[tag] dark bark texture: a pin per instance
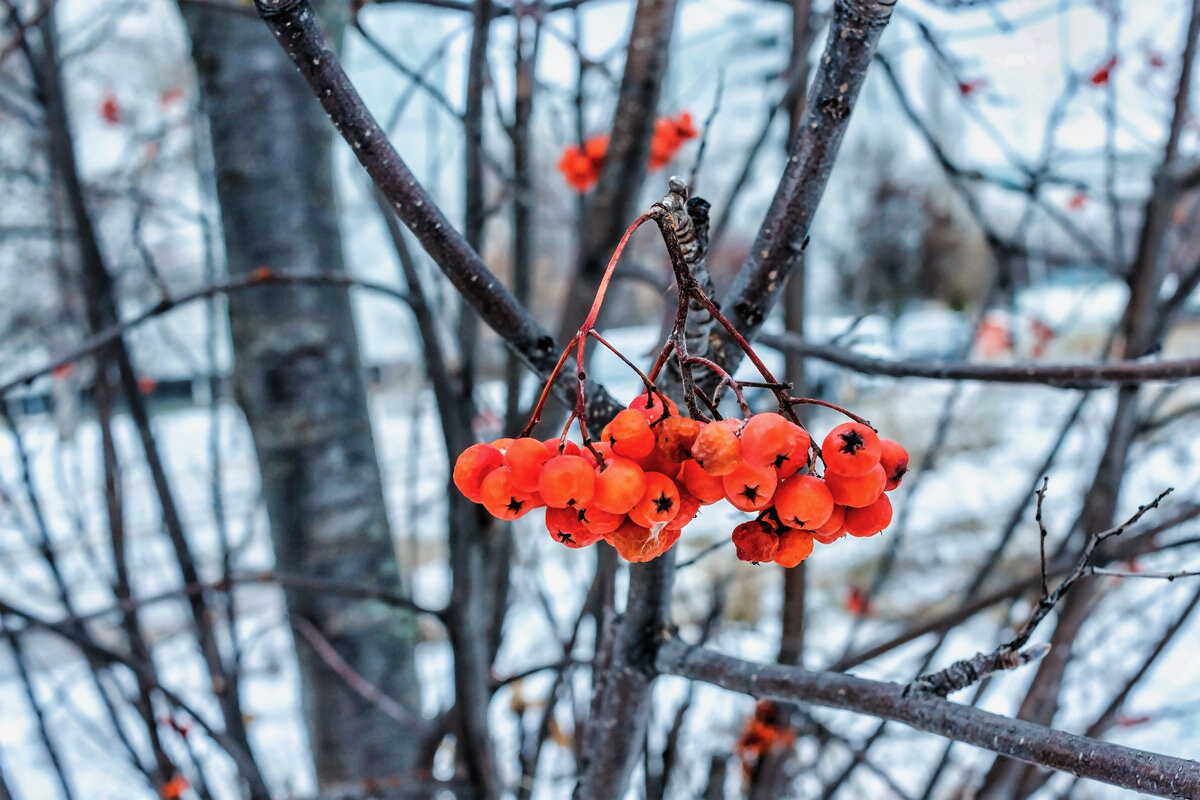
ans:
(299, 381)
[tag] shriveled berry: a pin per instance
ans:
(750, 488)
(673, 438)
(620, 483)
(566, 528)
(567, 480)
(851, 449)
(755, 541)
(717, 448)
(653, 404)
(636, 543)
(859, 491)
(767, 437)
(834, 527)
(870, 520)
(803, 501)
(789, 464)
(629, 434)
(894, 460)
(472, 466)
(704, 487)
(658, 504)
(525, 457)
(502, 499)
(794, 547)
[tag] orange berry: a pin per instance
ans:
(717, 448)
(472, 466)
(502, 444)
(750, 488)
(834, 528)
(569, 448)
(658, 504)
(620, 483)
(567, 480)
(894, 459)
(851, 449)
(525, 458)
(803, 501)
(704, 487)
(688, 508)
(859, 491)
(629, 434)
(755, 541)
(767, 437)
(603, 448)
(502, 499)
(870, 520)
(652, 404)
(597, 521)
(794, 547)
(673, 438)
(789, 464)
(566, 528)
(637, 543)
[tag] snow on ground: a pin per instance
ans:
(948, 519)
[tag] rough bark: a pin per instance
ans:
(299, 381)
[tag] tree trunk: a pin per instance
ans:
(298, 379)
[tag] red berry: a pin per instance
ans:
(567, 480)
(652, 404)
(636, 543)
(566, 528)
(472, 466)
(858, 491)
(894, 460)
(755, 541)
(794, 547)
(834, 527)
(568, 448)
(688, 508)
(767, 437)
(870, 520)
(629, 434)
(750, 488)
(803, 501)
(851, 449)
(704, 487)
(673, 438)
(502, 499)
(620, 483)
(658, 504)
(597, 521)
(717, 448)
(525, 457)
(789, 464)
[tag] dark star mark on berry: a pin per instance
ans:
(750, 493)
(514, 505)
(900, 472)
(565, 537)
(852, 442)
(779, 460)
(581, 514)
(663, 504)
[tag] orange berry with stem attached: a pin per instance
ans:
(755, 541)
(472, 466)
(858, 491)
(502, 499)
(851, 449)
(789, 464)
(894, 460)
(750, 488)
(870, 520)
(567, 480)
(620, 483)
(794, 547)
(767, 437)
(834, 527)
(603, 448)
(566, 528)
(629, 434)
(568, 448)
(658, 504)
(803, 501)
(717, 448)
(654, 405)
(704, 487)
(525, 457)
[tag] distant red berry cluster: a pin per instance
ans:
(580, 165)
(653, 469)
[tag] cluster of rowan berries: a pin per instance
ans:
(653, 469)
(580, 164)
